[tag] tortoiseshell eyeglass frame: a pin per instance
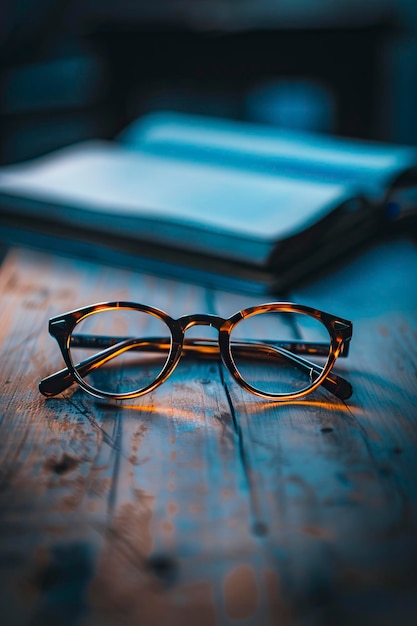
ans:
(61, 328)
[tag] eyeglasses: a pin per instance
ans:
(123, 350)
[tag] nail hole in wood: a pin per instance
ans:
(64, 465)
(164, 567)
(260, 529)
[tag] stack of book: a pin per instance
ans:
(223, 203)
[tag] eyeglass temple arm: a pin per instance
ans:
(206, 345)
(334, 383)
(337, 385)
(59, 381)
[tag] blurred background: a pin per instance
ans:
(76, 69)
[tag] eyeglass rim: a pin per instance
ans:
(326, 319)
(62, 326)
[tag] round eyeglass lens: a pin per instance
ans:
(280, 352)
(120, 351)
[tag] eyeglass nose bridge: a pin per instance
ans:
(200, 319)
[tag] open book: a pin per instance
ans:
(226, 204)
(375, 169)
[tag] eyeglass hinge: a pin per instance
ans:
(57, 324)
(341, 325)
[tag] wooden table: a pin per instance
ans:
(198, 503)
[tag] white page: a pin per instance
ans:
(371, 166)
(105, 178)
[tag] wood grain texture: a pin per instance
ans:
(199, 503)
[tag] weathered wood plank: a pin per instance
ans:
(199, 502)
(336, 481)
(141, 510)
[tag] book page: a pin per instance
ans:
(106, 180)
(371, 166)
